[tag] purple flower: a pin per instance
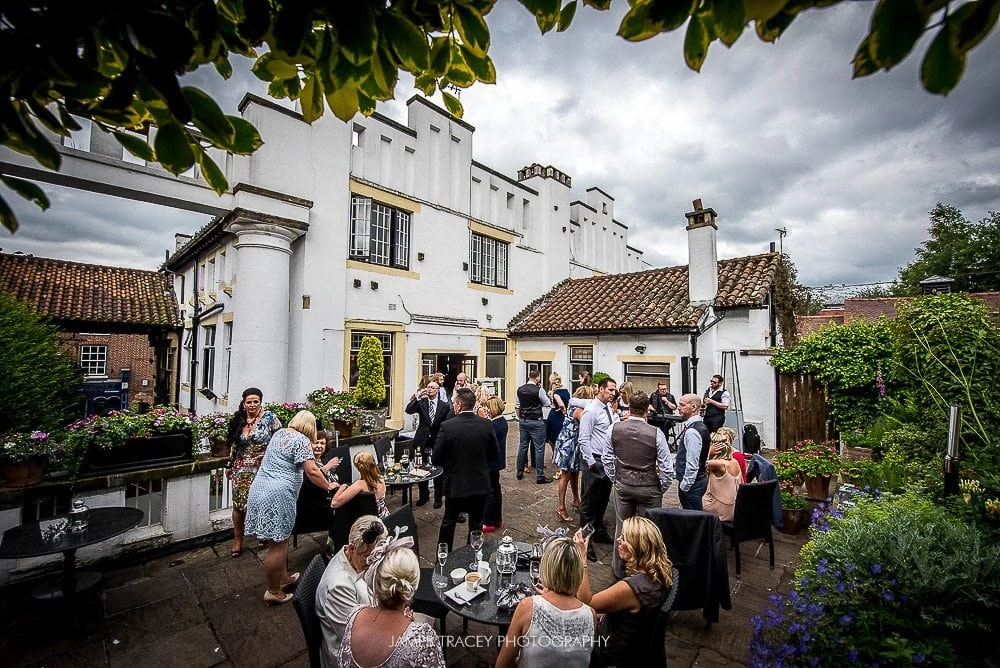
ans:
(846, 619)
(919, 657)
(876, 569)
(852, 656)
(888, 595)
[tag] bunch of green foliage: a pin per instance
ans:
(893, 581)
(370, 390)
(39, 381)
(119, 66)
(847, 359)
(598, 377)
(284, 411)
(807, 459)
(947, 351)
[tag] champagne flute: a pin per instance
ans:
(535, 570)
(476, 542)
(442, 556)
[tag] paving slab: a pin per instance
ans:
(200, 607)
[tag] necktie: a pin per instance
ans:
(431, 405)
(608, 411)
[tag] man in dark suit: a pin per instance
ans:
(431, 412)
(464, 449)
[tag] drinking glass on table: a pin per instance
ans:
(476, 541)
(535, 565)
(442, 556)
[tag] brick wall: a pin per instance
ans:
(125, 351)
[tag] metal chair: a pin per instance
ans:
(659, 656)
(344, 517)
(426, 600)
(752, 517)
(304, 601)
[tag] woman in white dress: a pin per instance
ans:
(554, 629)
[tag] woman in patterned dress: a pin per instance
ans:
(271, 502)
(567, 453)
(250, 430)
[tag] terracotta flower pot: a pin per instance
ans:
(793, 520)
(818, 488)
(220, 447)
(344, 428)
(23, 474)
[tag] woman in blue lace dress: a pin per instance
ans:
(567, 453)
(273, 494)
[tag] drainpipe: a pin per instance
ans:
(195, 317)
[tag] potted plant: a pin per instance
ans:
(24, 456)
(370, 390)
(811, 462)
(793, 509)
(336, 408)
(128, 440)
(284, 411)
(214, 427)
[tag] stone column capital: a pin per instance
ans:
(253, 228)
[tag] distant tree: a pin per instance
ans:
(875, 291)
(119, 63)
(962, 250)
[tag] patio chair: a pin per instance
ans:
(659, 655)
(345, 516)
(304, 601)
(426, 600)
(752, 517)
(697, 548)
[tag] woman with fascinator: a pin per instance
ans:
(250, 430)
(386, 635)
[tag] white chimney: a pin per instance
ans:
(703, 260)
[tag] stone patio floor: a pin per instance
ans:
(201, 608)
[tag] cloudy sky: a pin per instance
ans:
(771, 136)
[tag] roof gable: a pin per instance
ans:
(73, 291)
(655, 299)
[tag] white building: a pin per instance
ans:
(373, 227)
(672, 324)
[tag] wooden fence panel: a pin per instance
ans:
(802, 409)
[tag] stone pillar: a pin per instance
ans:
(260, 303)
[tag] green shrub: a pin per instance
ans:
(895, 581)
(370, 390)
(39, 382)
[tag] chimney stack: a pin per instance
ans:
(703, 260)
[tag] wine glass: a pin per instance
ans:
(442, 556)
(535, 565)
(476, 542)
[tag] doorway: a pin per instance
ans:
(450, 364)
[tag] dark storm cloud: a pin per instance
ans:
(770, 135)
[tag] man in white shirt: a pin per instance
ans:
(595, 439)
(716, 400)
(342, 586)
(692, 452)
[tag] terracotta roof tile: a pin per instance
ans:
(72, 291)
(653, 299)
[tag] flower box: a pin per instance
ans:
(138, 453)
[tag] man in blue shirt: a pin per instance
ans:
(692, 452)
(595, 439)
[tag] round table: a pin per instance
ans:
(27, 540)
(483, 608)
(406, 481)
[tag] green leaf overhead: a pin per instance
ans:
(896, 27)
(122, 69)
(137, 146)
(943, 64)
(173, 148)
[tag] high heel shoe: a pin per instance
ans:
(563, 515)
(274, 599)
(293, 580)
